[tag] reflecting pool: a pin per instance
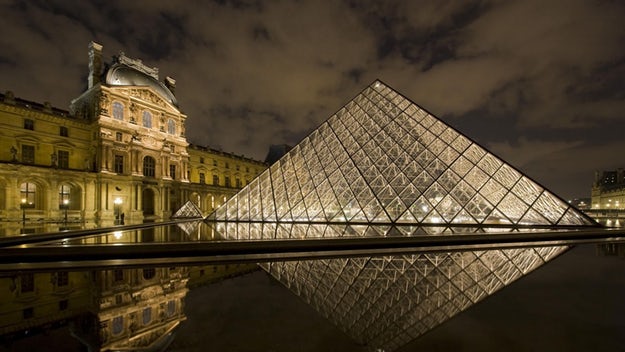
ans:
(573, 303)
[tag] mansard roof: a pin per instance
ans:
(130, 72)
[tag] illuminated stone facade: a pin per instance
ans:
(120, 152)
(134, 309)
(32, 300)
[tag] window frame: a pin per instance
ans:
(62, 159)
(171, 126)
(118, 164)
(29, 124)
(150, 167)
(146, 119)
(65, 193)
(28, 192)
(118, 110)
(28, 158)
(172, 171)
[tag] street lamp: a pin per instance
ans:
(65, 206)
(23, 206)
(118, 202)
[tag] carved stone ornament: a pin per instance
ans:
(147, 95)
(104, 100)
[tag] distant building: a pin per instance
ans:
(580, 203)
(276, 151)
(120, 151)
(608, 191)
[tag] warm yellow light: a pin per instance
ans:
(23, 200)
(117, 234)
(118, 201)
(66, 201)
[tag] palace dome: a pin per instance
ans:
(122, 75)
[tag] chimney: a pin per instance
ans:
(170, 83)
(95, 64)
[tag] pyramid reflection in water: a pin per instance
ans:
(385, 302)
(382, 161)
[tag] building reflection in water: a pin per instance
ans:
(119, 309)
(133, 309)
(116, 309)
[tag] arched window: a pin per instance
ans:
(28, 194)
(118, 110)
(64, 196)
(149, 166)
(147, 119)
(171, 126)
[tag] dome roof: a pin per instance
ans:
(123, 75)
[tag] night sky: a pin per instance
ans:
(540, 83)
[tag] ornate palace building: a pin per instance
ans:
(119, 153)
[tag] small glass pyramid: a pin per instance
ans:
(383, 159)
(188, 211)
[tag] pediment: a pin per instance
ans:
(147, 95)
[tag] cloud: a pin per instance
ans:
(254, 73)
(566, 168)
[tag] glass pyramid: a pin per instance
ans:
(188, 211)
(383, 166)
(383, 159)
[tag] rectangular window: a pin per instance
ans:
(28, 154)
(201, 160)
(237, 167)
(172, 171)
(64, 131)
(29, 124)
(227, 166)
(202, 178)
(247, 169)
(28, 313)
(62, 278)
(214, 162)
(227, 181)
(119, 164)
(118, 136)
(118, 275)
(63, 304)
(238, 182)
(28, 283)
(63, 159)
(215, 180)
